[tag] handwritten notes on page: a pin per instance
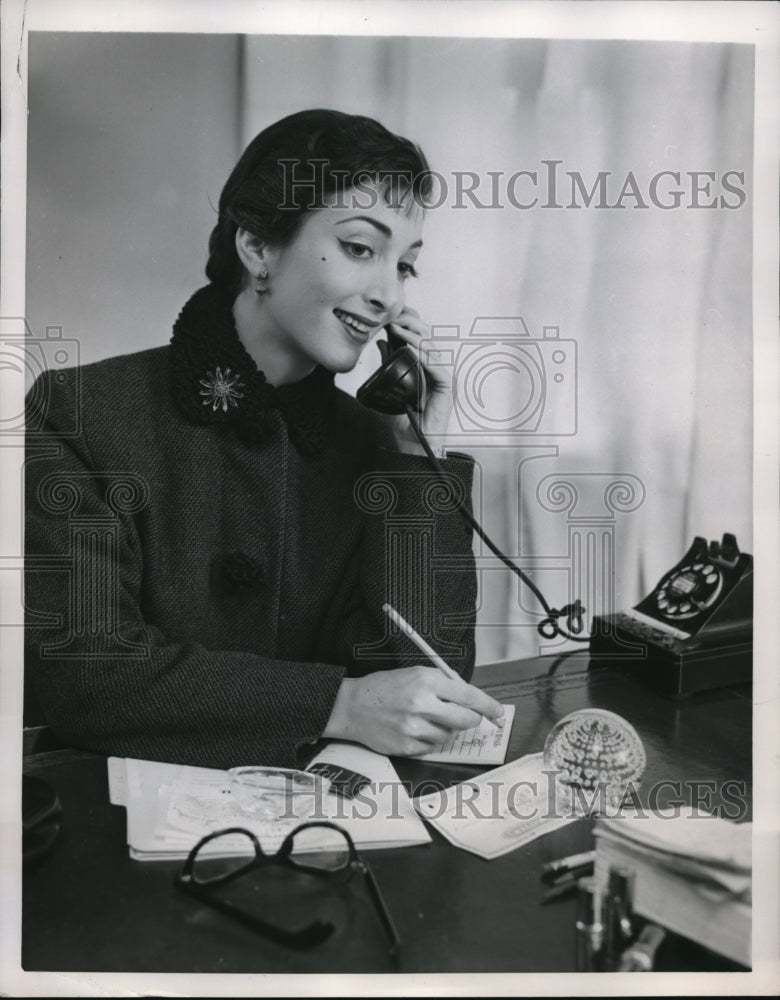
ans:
(484, 744)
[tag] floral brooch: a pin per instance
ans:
(221, 389)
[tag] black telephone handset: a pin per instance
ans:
(694, 630)
(398, 383)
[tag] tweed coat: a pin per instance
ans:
(203, 571)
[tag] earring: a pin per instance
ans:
(261, 288)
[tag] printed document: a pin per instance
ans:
(497, 811)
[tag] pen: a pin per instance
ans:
(577, 871)
(565, 887)
(553, 869)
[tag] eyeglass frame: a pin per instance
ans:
(310, 935)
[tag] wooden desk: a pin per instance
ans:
(88, 907)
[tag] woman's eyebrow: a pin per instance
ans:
(386, 230)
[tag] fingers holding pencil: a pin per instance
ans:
(461, 693)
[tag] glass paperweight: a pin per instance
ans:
(595, 756)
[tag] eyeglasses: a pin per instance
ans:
(220, 858)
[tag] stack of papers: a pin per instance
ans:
(171, 806)
(690, 873)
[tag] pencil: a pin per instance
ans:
(419, 642)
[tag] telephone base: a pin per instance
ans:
(675, 667)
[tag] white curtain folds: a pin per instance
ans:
(652, 302)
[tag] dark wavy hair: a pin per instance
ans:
(292, 166)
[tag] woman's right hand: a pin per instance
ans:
(407, 711)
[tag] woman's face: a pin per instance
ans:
(340, 281)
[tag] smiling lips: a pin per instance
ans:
(357, 327)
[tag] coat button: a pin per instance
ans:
(239, 573)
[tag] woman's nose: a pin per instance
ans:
(385, 293)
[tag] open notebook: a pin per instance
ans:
(171, 806)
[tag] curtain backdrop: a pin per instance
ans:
(658, 301)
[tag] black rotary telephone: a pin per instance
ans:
(399, 386)
(694, 630)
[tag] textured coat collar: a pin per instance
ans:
(214, 380)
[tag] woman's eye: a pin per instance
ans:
(407, 270)
(359, 250)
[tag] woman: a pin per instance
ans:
(207, 563)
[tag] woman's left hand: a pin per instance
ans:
(434, 421)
